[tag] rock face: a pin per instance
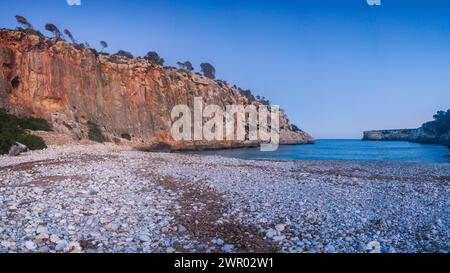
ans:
(397, 134)
(71, 85)
(413, 135)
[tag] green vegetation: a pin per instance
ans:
(103, 45)
(126, 136)
(95, 134)
(295, 128)
(440, 125)
(125, 54)
(55, 30)
(154, 58)
(12, 129)
(70, 35)
(186, 66)
(208, 70)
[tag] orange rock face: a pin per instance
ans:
(70, 85)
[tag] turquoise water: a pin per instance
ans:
(350, 150)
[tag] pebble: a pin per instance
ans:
(279, 238)
(54, 238)
(30, 245)
(144, 238)
(42, 230)
(271, 233)
(181, 228)
(61, 245)
(280, 227)
(373, 247)
(227, 248)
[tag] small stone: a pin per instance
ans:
(170, 250)
(279, 238)
(42, 230)
(41, 237)
(74, 247)
(144, 238)
(164, 229)
(271, 233)
(280, 227)
(17, 149)
(181, 228)
(227, 248)
(330, 249)
(38, 190)
(44, 249)
(61, 245)
(373, 247)
(30, 245)
(112, 227)
(54, 238)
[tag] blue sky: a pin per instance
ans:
(338, 67)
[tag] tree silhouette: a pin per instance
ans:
(53, 29)
(125, 54)
(103, 45)
(186, 66)
(69, 34)
(440, 125)
(154, 58)
(208, 70)
(23, 21)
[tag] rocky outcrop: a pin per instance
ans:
(71, 85)
(393, 135)
(419, 135)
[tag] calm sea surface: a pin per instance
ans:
(349, 150)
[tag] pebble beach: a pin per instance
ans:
(107, 198)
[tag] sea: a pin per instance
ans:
(348, 149)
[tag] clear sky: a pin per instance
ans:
(338, 67)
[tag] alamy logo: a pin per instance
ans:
(235, 123)
(374, 2)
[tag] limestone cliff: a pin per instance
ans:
(71, 85)
(419, 135)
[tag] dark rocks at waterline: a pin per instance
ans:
(413, 135)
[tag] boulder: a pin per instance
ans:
(17, 149)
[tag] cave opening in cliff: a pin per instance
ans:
(15, 82)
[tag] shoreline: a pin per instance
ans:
(107, 198)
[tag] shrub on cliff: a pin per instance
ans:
(104, 45)
(123, 53)
(440, 125)
(23, 21)
(154, 58)
(69, 34)
(248, 94)
(95, 133)
(185, 66)
(54, 29)
(208, 70)
(126, 136)
(296, 129)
